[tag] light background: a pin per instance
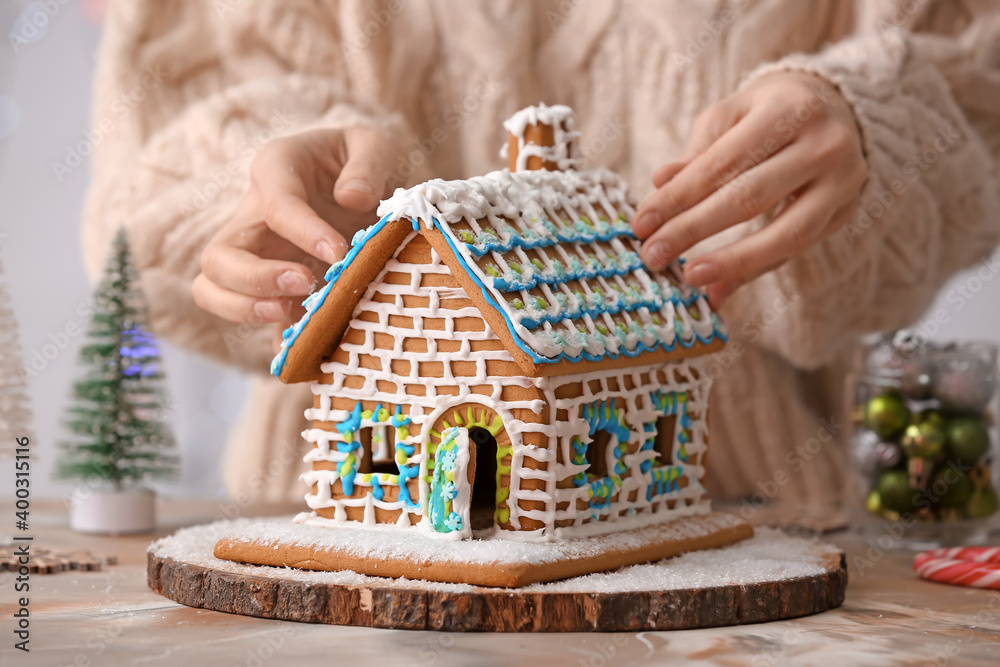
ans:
(44, 110)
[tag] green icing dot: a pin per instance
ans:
(517, 303)
(492, 271)
(466, 237)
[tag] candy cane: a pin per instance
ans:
(978, 567)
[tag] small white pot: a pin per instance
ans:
(113, 512)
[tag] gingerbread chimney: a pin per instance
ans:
(541, 137)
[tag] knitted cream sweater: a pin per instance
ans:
(192, 88)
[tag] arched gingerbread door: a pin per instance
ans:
(489, 451)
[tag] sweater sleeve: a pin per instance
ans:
(926, 104)
(186, 92)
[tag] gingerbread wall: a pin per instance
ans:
(648, 486)
(416, 333)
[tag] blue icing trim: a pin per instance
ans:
(315, 301)
(489, 242)
(531, 323)
(352, 423)
(604, 416)
(512, 283)
(400, 420)
(665, 480)
(640, 348)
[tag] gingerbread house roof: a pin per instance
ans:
(549, 259)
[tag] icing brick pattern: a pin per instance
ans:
(389, 348)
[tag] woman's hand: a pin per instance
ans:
(787, 136)
(308, 194)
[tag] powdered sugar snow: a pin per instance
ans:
(769, 556)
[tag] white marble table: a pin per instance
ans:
(111, 618)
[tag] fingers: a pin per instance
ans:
(719, 292)
(236, 269)
(799, 226)
(236, 307)
(712, 123)
(663, 175)
(735, 152)
(284, 200)
(371, 170)
(743, 198)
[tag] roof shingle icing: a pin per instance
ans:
(553, 252)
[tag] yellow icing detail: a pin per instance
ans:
(349, 436)
(400, 457)
(347, 465)
(367, 477)
(402, 433)
(383, 414)
(367, 414)
(503, 515)
(449, 476)
(502, 495)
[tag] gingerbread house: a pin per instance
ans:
(492, 359)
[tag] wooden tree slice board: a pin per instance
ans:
(808, 577)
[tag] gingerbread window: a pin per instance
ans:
(378, 450)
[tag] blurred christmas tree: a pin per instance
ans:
(15, 411)
(117, 417)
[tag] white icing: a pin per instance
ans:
(496, 215)
(769, 555)
(563, 151)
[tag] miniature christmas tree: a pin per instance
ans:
(15, 411)
(117, 416)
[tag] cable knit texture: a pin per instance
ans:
(195, 88)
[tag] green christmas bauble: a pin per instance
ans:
(932, 417)
(968, 439)
(894, 491)
(924, 440)
(951, 488)
(873, 503)
(982, 504)
(886, 415)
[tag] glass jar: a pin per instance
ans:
(924, 445)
